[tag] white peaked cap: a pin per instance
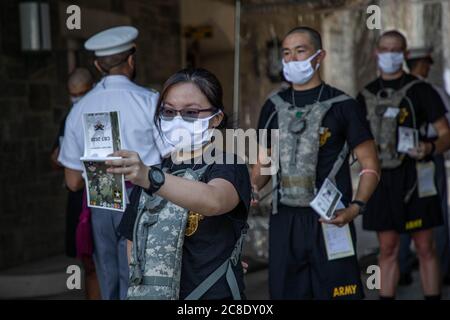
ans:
(112, 41)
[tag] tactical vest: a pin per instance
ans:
(158, 239)
(383, 128)
(299, 143)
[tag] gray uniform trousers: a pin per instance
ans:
(110, 254)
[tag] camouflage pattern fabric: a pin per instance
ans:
(158, 239)
(385, 128)
(299, 149)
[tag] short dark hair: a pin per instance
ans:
(412, 63)
(394, 34)
(314, 35)
(204, 80)
(108, 62)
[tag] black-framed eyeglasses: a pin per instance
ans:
(187, 114)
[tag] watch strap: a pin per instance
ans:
(361, 204)
(153, 186)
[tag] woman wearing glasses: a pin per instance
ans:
(191, 102)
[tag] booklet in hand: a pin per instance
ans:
(408, 138)
(327, 200)
(102, 138)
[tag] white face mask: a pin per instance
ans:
(186, 135)
(390, 62)
(300, 72)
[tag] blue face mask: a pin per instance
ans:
(390, 62)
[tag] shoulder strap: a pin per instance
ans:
(197, 173)
(270, 119)
(278, 101)
(402, 92)
(136, 275)
(224, 269)
(367, 94)
(201, 171)
(337, 99)
(135, 196)
(408, 86)
(338, 164)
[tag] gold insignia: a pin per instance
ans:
(325, 134)
(403, 115)
(192, 223)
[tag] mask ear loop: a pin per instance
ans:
(212, 139)
(211, 131)
(309, 59)
(314, 56)
(216, 114)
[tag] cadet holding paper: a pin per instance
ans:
(397, 105)
(420, 61)
(318, 125)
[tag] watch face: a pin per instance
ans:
(158, 176)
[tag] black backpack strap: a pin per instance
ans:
(225, 269)
(129, 216)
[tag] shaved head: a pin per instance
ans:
(80, 76)
(80, 81)
(314, 36)
(394, 34)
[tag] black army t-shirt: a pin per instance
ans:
(427, 104)
(344, 122)
(216, 236)
(386, 209)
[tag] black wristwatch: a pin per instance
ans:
(157, 178)
(361, 204)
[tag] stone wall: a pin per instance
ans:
(258, 27)
(350, 63)
(33, 101)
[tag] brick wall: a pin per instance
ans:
(33, 101)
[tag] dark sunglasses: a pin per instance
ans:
(187, 114)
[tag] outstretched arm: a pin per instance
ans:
(216, 197)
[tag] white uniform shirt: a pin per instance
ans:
(136, 106)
